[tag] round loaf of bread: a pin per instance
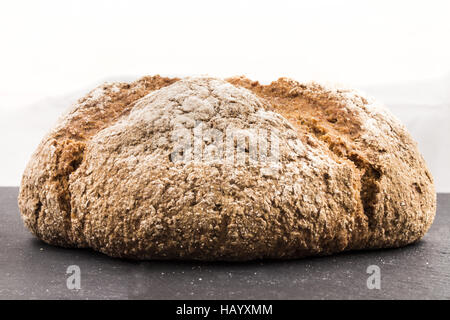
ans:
(211, 169)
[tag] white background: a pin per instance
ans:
(51, 52)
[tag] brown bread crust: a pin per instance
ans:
(103, 178)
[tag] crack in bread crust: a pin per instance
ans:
(340, 118)
(99, 109)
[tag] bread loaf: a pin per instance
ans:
(211, 169)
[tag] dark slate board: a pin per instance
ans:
(30, 269)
